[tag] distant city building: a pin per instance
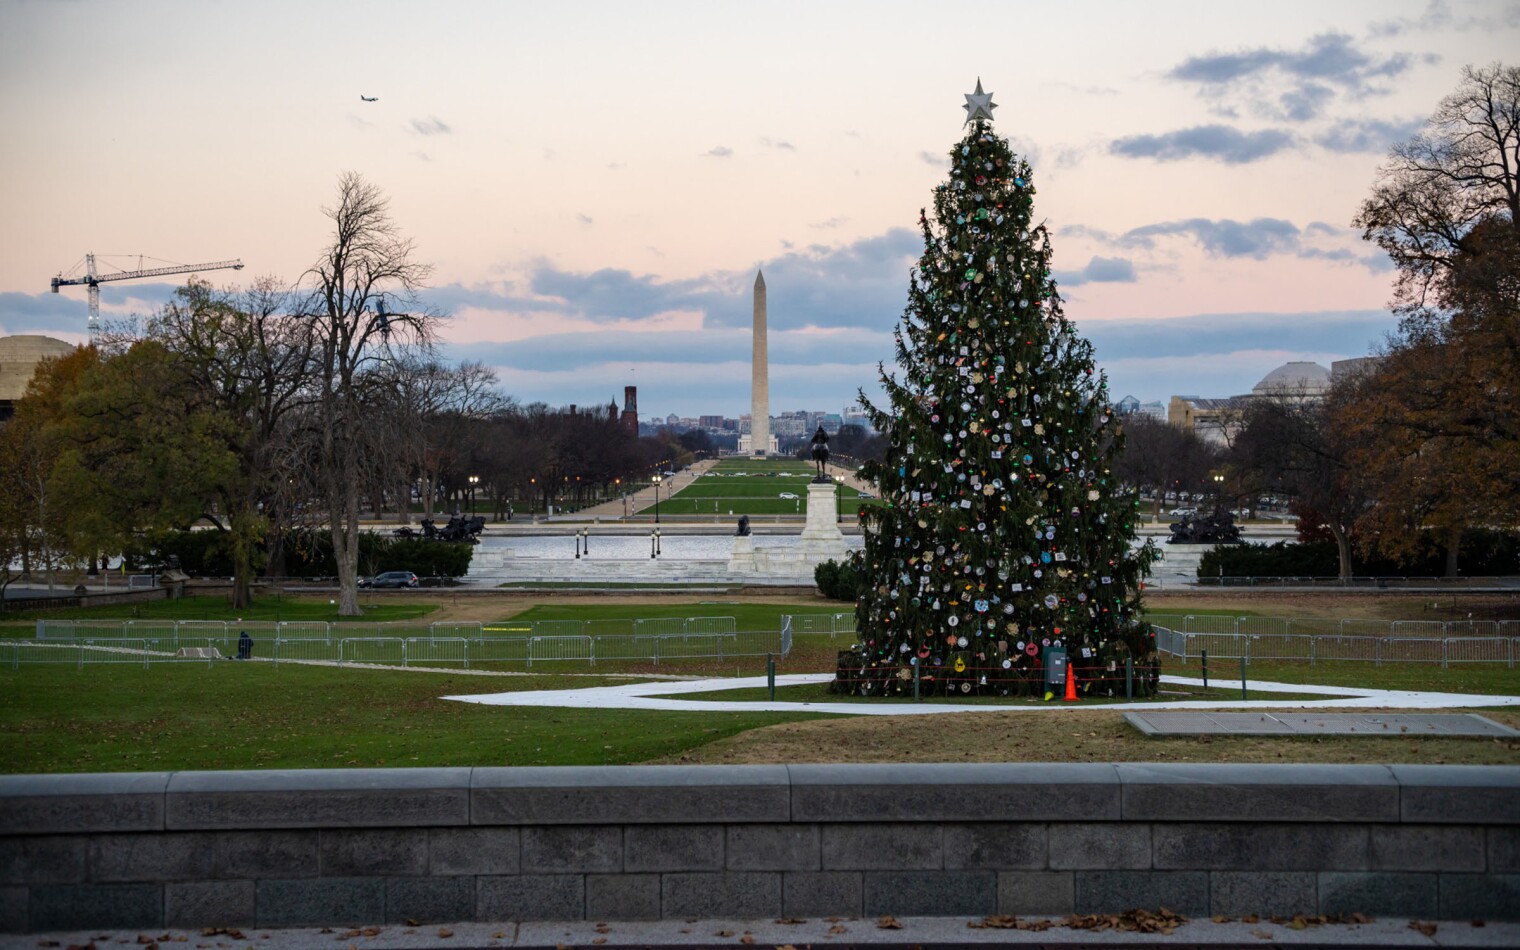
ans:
(1219, 420)
(711, 422)
(1130, 406)
(19, 356)
(630, 417)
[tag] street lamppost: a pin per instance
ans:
(474, 480)
(1218, 491)
(656, 481)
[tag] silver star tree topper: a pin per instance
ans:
(979, 105)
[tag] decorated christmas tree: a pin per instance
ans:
(1002, 538)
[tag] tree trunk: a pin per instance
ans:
(1342, 548)
(1453, 546)
(345, 538)
(241, 527)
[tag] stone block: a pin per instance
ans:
(1479, 896)
(42, 860)
(724, 894)
(1454, 794)
(266, 854)
(318, 798)
(639, 794)
(772, 848)
(1427, 848)
(429, 900)
(1039, 893)
(1099, 846)
(73, 804)
(474, 851)
(822, 894)
(1503, 849)
(622, 897)
(560, 849)
(1378, 893)
(157, 857)
(1113, 892)
(191, 904)
(887, 846)
(673, 848)
(328, 901)
(1264, 847)
(13, 901)
(972, 792)
(531, 897)
(88, 906)
(352, 852)
(930, 893)
(995, 846)
(1268, 893)
(1208, 792)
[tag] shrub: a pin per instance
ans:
(841, 580)
(1484, 552)
(308, 554)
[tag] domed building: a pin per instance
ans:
(1298, 380)
(19, 356)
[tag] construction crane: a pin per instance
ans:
(92, 280)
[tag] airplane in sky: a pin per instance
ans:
(364, 98)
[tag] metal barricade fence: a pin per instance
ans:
(499, 649)
(1261, 626)
(78, 629)
(201, 628)
(1471, 628)
(561, 648)
(1409, 650)
(386, 650)
(1418, 629)
(659, 626)
(304, 630)
(1313, 626)
(1362, 649)
(811, 623)
(1208, 623)
(304, 649)
(711, 625)
(1479, 650)
(609, 628)
(1366, 628)
(559, 628)
(469, 629)
(844, 623)
(430, 651)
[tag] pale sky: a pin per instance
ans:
(596, 183)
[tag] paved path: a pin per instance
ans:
(652, 696)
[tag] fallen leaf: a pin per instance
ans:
(411, 922)
(445, 932)
(790, 920)
(600, 940)
(1428, 930)
(1261, 934)
(1223, 919)
(746, 939)
(837, 929)
(888, 923)
(723, 933)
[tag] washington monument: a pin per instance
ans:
(760, 393)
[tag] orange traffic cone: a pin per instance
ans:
(1071, 684)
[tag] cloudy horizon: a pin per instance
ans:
(596, 198)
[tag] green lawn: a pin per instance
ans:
(819, 693)
(253, 715)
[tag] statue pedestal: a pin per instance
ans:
(821, 537)
(742, 557)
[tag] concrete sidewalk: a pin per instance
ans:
(815, 932)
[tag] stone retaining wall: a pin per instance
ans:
(344, 847)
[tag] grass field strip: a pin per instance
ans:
(655, 696)
(671, 643)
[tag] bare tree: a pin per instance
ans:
(362, 298)
(1436, 188)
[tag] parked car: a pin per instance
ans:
(1182, 512)
(864, 494)
(390, 579)
(788, 495)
